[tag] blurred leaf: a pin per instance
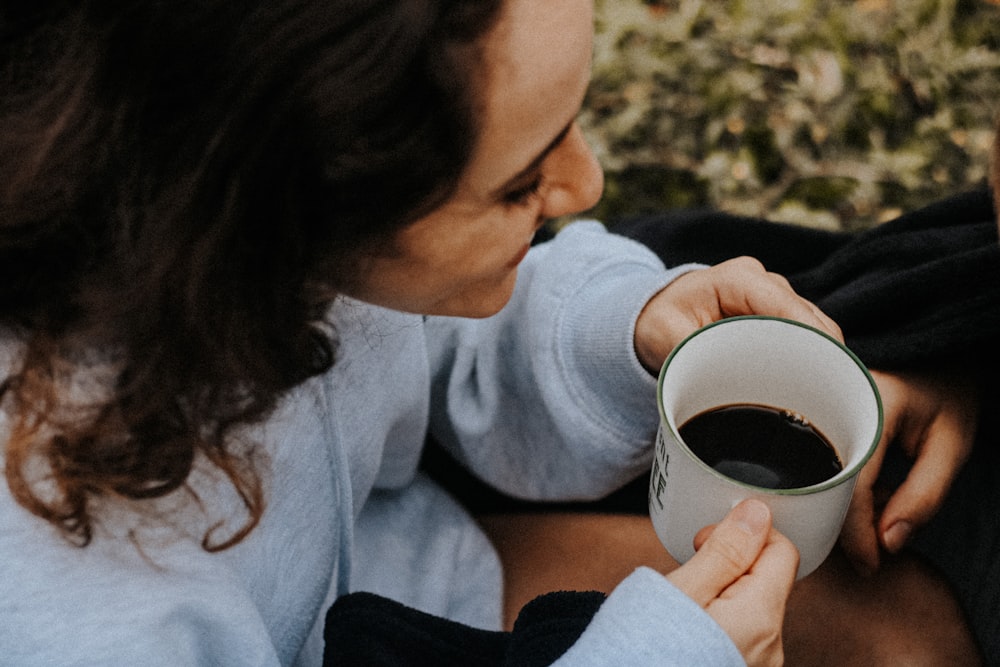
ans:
(771, 108)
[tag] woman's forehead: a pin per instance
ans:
(538, 61)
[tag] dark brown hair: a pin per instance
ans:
(182, 188)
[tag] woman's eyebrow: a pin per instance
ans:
(538, 160)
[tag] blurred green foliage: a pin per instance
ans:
(816, 112)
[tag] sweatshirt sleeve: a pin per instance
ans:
(648, 621)
(547, 399)
(645, 621)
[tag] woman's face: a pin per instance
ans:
(531, 163)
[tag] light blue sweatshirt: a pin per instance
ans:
(545, 400)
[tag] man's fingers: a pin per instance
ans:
(927, 483)
(860, 536)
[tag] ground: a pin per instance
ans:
(832, 114)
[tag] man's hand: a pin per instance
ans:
(933, 417)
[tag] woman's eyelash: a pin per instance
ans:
(523, 194)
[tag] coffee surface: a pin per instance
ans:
(761, 445)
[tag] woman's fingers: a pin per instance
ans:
(745, 287)
(742, 575)
(740, 286)
(730, 550)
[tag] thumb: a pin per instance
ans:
(730, 550)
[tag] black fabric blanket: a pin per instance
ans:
(365, 629)
(921, 289)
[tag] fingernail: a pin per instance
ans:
(897, 535)
(752, 516)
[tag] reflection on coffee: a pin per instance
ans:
(761, 445)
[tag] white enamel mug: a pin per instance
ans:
(773, 362)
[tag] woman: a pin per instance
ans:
(240, 246)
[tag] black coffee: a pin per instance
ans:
(763, 446)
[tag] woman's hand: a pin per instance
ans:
(738, 286)
(742, 575)
(932, 416)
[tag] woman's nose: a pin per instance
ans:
(576, 180)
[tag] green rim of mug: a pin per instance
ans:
(838, 479)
